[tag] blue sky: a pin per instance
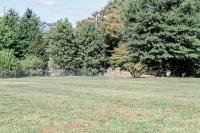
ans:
(52, 10)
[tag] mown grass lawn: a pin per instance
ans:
(86, 104)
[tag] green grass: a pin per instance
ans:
(86, 104)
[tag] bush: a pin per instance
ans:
(8, 62)
(123, 60)
(135, 69)
(32, 62)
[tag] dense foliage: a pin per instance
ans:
(22, 35)
(32, 62)
(164, 34)
(81, 48)
(111, 18)
(121, 58)
(8, 62)
(61, 46)
(29, 33)
(8, 31)
(91, 47)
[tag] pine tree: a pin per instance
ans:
(8, 30)
(61, 46)
(30, 35)
(92, 47)
(164, 34)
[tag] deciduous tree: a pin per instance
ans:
(121, 58)
(8, 62)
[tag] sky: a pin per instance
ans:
(53, 10)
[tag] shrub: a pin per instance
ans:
(123, 60)
(32, 62)
(8, 62)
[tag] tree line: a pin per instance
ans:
(25, 44)
(134, 35)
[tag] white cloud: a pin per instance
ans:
(46, 2)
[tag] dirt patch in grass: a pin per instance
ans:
(183, 107)
(47, 130)
(185, 100)
(102, 116)
(78, 125)
(130, 117)
(83, 124)
(105, 111)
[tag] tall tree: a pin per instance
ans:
(164, 34)
(8, 30)
(111, 22)
(90, 40)
(112, 18)
(29, 34)
(62, 49)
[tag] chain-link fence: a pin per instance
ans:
(48, 73)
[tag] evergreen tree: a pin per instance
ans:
(110, 21)
(8, 30)
(164, 34)
(30, 35)
(62, 49)
(92, 47)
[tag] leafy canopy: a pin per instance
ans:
(91, 44)
(8, 62)
(61, 46)
(164, 34)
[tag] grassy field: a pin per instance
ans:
(80, 104)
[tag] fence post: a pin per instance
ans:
(29, 73)
(46, 72)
